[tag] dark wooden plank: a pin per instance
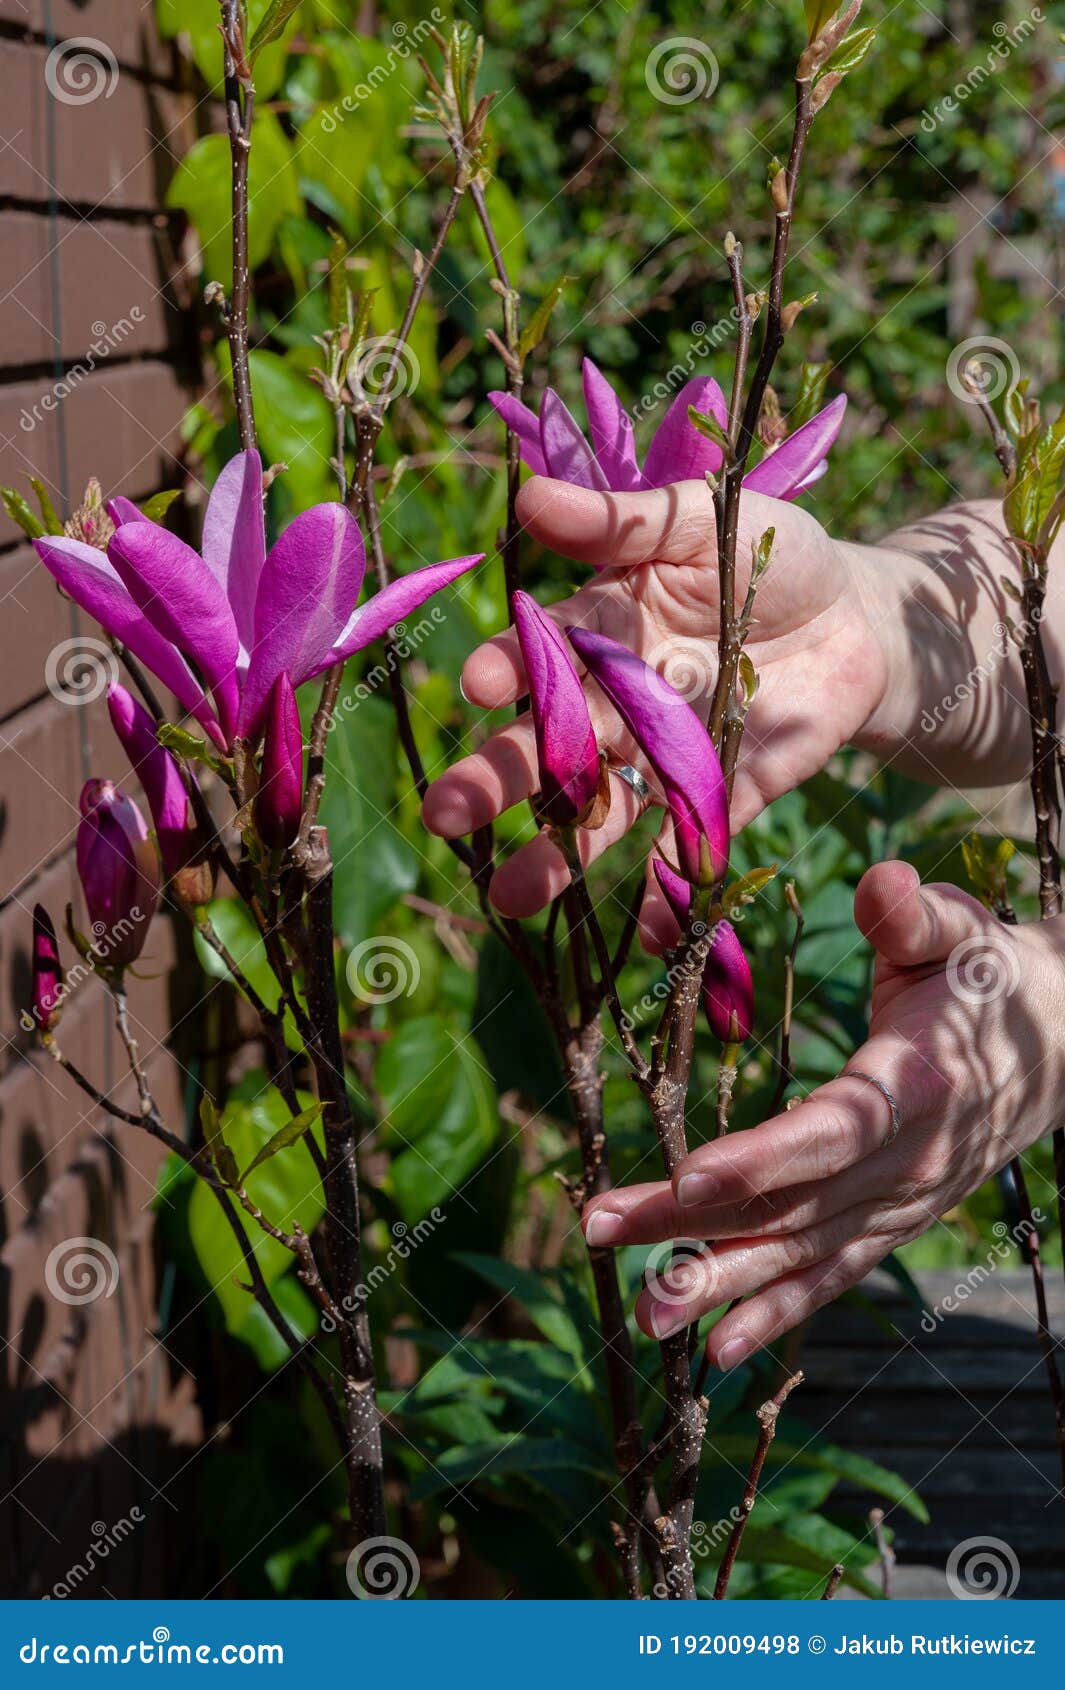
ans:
(121, 29)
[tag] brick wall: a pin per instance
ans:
(95, 1410)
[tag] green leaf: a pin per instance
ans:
(295, 426)
(272, 27)
(708, 425)
(441, 1115)
(481, 1462)
(811, 396)
(286, 1188)
(826, 1457)
(530, 1290)
(157, 506)
(49, 515)
(187, 744)
(238, 932)
(851, 51)
(201, 188)
(374, 865)
(818, 12)
(288, 1134)
(746, 888)
(535, 329)
(195, 24)
(19, 511)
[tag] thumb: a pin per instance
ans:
(911, 925)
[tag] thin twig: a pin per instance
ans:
(768, 1415)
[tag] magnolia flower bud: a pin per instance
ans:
(47, 995)
(119, 873)
(566, 747)
(279, 801)
(181, 843)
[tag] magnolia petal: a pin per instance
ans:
(678, 451)
(308, 585)
(610, 427)
(391, 605)
(675, 743)
(234, 541)
(279, 800)
(525, 424)
(565, 741)
(567, 453)
(158, 774)
(122, 510)
(728, 984)
(93, 583)
(183, 601)
(797, 461)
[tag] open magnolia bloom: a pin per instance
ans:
(553, 443)
(219, 628)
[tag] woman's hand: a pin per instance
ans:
(818, 656)
(967, 1036)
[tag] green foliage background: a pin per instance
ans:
(629, 196)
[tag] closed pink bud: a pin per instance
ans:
(566, 748)
(279, 802)
(47, 975)
(728, 985)
(119, 873)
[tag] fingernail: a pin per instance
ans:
(667, 1318)
(693, 1189)
(732, 1353)
(464, 693)
(604, 1227)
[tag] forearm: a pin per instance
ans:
(953, 709)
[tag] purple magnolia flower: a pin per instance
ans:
(180, 841)
(118, 870)
(728, 985)
(47, 974)
(553, 443)
(238, 614)
(279, 801)
(677, 746)
(565, 744)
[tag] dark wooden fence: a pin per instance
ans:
(95, 1412)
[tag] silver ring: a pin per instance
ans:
(896, 1112)
(633, 779)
